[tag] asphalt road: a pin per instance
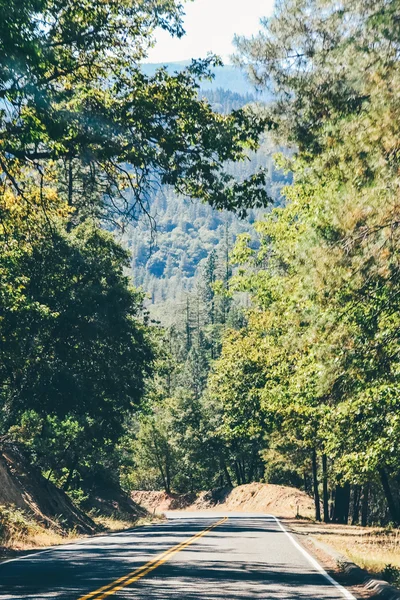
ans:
(193, 556)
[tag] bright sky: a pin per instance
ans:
(210, 26)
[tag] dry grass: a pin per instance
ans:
(119, 522)
(114, 523)
(20, 532)
(372, 549)
(43, 538)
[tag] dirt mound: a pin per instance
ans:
(24, 487)
(160, 501)
(279, 500)
(212, 498)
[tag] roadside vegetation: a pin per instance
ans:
(283, 364)
(320, 348)
(375, 549)
(20, 531)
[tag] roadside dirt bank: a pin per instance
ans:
(23, 487)
(34, 513)
(280, 500)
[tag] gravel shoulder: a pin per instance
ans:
(337, 547)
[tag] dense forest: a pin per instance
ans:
(225, 77)
(169, 247)
(199, 289)
(85, 137)
(298, 383)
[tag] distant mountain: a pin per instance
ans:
(169, 265)
(227, 77)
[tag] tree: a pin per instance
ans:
(75, 349)
(74, 95)
(235, 386)
(333, 251)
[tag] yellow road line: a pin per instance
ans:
(119, 584)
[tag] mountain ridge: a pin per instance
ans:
(227, 77)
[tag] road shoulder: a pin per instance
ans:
(357, 580)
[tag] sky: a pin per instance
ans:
(210, 26)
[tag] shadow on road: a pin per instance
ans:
(236, 560)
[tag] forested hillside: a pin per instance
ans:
(169, 251)
(197, 289)
(85, 136)
(226, 77)
(299, 383)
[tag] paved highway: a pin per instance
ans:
(192, 556)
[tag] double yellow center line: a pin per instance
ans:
(133, 576)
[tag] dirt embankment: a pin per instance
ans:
(24, 487)
(279, 500)
(158, 502)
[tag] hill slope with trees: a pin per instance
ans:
(84, 137)
(277, 286)
(170, 249)
(225, 77)
(300, 383)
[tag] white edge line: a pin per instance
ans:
(315, 563)
(87, 540)
(84, 540)
(9, 560)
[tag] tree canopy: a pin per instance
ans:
(324, 282)
(282, 362)
(86, 137)
(73, 94)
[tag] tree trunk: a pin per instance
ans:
(167, 480)
(242, 470)
(356, 504)
(261, 472)
(325, 488)
(253, 465)
(365, 504)
(188, 335)
(305, 479)
(70, 474)
(70, 192)
(159, 462)
(315, 483)
(342, 504)
(226, 473)
(167, 470)
(237, 472)
(332, 507)
(393, 508)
